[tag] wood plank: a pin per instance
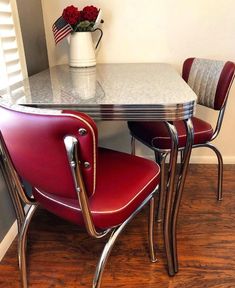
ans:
(62, 255)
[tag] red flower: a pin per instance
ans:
(90, 13)
(71, 15)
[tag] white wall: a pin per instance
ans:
(159, 31)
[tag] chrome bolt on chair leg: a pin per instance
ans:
(112, 239)
(152, 253)
(169, 198)
(132, 145)
(22, 245)
(180, 187)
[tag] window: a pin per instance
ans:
(12, 60)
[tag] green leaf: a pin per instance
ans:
(84, 24)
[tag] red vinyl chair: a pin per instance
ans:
(98, 189)
(211, 81)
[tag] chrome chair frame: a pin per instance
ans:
(19, 196)
(161, 154)
(170, 196)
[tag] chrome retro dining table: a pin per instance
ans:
(120, 92)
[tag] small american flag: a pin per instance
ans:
(61, 29)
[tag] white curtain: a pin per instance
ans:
(10, 65)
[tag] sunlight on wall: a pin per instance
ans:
(158, 31)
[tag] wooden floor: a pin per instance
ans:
(61, 255)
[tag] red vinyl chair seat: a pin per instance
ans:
(130, 179)
(155, 134)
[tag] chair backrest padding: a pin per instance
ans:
(210, 80)
(35, 143)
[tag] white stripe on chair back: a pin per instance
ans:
(203, 79)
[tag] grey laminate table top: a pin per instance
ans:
(151, 91)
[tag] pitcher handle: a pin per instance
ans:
(101, 35)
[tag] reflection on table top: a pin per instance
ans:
(109, 91)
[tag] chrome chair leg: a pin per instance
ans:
(162, 191)
(109, 245)
(157, 157)
(104, 256)
(152, 252)
(220, 171)
(22, 245)
(220, 168)
(181, 156)
(132, 145)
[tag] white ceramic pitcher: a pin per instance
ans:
(82, 49)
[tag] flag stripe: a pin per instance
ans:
(61, 33)
(62, 36)
(57, 34)
(61, 29)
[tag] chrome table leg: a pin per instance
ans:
(180, 187)
(152, 211)
(169, 198)
(132, 145)
(163, 187)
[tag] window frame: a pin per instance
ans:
(19, 39)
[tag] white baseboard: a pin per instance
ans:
(211, 160)
(201, 159)
(8, 239)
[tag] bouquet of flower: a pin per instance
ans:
(74, 20)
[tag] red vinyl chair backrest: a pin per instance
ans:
(35, 143)
(210, 80)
